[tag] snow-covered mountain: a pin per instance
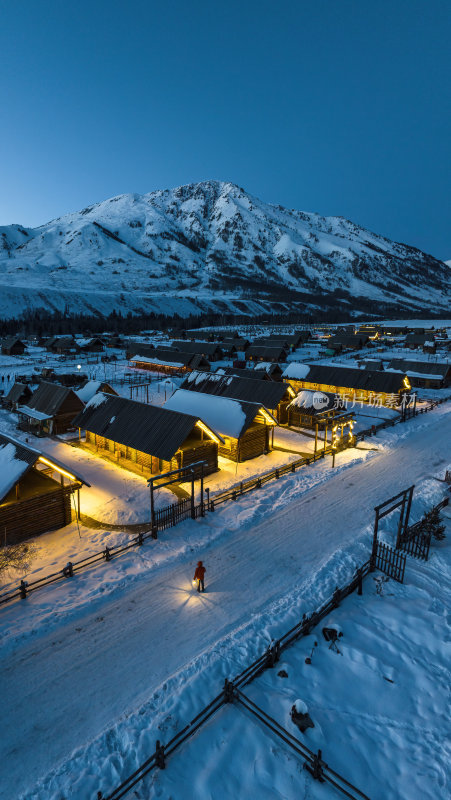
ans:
(208, 245)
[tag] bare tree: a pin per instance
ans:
(16, 556)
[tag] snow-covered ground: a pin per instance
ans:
(127, 653)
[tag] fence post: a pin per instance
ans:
(23, 589)
(107, 554)
(154, 532)
(140, 539)
(160, 759)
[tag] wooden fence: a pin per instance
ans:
(232, 695)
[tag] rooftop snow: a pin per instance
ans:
(220, 413)
(296, 371)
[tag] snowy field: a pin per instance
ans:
(127, 652)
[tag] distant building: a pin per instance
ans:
(12, 347)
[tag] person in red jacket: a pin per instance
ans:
(199, 576)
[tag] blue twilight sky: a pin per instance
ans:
(335, 106)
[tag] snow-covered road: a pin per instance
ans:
(64, 688)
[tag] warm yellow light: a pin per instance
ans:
(57, 469)
(291, 391)
(406, 383)
(267, 417)
(207, 430)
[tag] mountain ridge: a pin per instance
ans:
(208, 246)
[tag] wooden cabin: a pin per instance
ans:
(347, 341)
(210, 350)
(416, 341)
(147, 439)
(18, 395)
(12, 347)
(244, 426)
(92, 345)
(272, 395)
(50, 410)
(143, 348)
(423, 374)
(37, 493)
(61, 345)
(265, 353)
(171, 362)
(363, 385)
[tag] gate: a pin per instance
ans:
(416, 543)
(390, 561)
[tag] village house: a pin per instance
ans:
(143, 348)
(250, 372)
(62, 345)
(210, 350)
(264, 353)
(416, 341)
(171, 362)
(423, 374)
(18, 395)
(12, 347)
(147, 439)
(367, 386)
(93, 345)
(37, 492)
(273, 396)
(347, 341)
(244, 427)
(50, 410)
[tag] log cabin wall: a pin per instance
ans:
(26, 518)
(254, 442)
(146, 464)
(206, 451)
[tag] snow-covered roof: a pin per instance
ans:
(17, 458)
(314, 401)
(159, 361)
(33, 414)
(88, 390)
(228, 417)
(296, 371)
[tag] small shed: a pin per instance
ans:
(244, 426)
(321, 411)
(147, 439)
(50, 410)
(37, 492)
(12, 346)
(18, 395)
